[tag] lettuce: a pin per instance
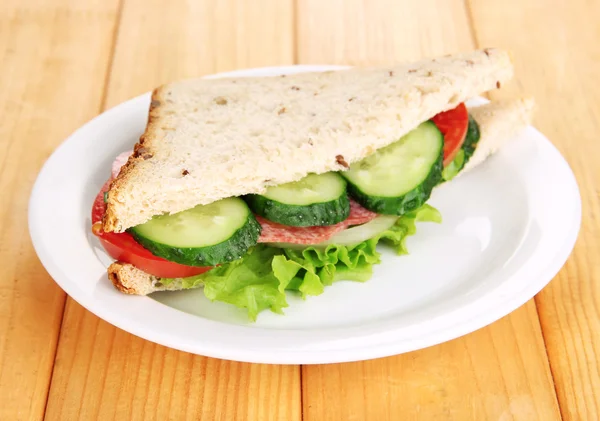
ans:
(249, 282)
(259, 280)
(457, 164)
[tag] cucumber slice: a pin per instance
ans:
(473, 136)
(205, 235)
(350, 237)
(400, 177)
(315, 200)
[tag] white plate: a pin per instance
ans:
(508, 227)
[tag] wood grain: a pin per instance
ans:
(105, 373)
(498, 373)
(559, 64)
(159, 42)
(357, 32)
(54, 59)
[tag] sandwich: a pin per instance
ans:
(254, 188)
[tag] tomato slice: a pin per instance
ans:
(123, 247)
(453, 124)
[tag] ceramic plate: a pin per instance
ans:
(508, 227)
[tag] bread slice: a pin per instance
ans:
(208, 139)
(499, 122)
(131, 280)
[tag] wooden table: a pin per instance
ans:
(64, 61)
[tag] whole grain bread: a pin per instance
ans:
(208, 139)
(499, 122)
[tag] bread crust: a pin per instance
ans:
(140, 153)
(131, 280)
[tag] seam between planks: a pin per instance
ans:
(295, 26)
(550, 368)
(301, 369)
(470, 20)
(111, 59)
(115, 34)
(295, 58)
(475, 41)
(49, 382)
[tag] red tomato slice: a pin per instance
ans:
(122, 247)
(453, 124)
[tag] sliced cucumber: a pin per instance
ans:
(400, 177)
(470, 143)
(205, 235)
(315, 200)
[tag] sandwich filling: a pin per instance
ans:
(301, 236)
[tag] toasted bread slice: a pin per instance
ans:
(131, 280)
(208, 139)
(499, 122)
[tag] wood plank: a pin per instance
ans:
(105, 373)
(500, 372)
(159, 42)
(358, 32)
(54, 59)
(562, 45)
(484, 376)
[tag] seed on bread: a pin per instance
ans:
(340, 160)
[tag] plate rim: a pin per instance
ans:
(261, 356)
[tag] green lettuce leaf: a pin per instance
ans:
(407, 226)
(259, 280)
(248, 283)
(457, 164)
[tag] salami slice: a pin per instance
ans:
(359, 215)
(119, 161)
(277, 233)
